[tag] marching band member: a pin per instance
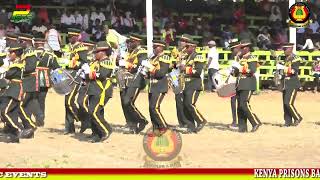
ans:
(178, 55)
(99, 90)
(47, 61)
(13, 96)
(193, 85)
(291, 85)
(4, 62)
(82, 99)
(235, 47)
(245, 70)
(160, 64)
(78, 58)
(29, 81)
(136, 122)
(11, 39)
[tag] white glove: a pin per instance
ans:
(236, 64)
(86, 68)
(122, 63)
(280, 66)
(83, 75)
(147, 64)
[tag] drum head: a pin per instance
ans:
(62, 81)
(227, 90)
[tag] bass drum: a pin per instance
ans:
(225, 84)
(62, 81)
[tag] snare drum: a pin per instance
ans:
(62, 81)
(225, 84)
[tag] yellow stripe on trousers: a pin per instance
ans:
(249, 108)
(237, 120)
(98, 120)
(8, 117)
(133, 106)
(84, 103)
(195, 109)
(69, 103)
(26, 117)
(291, 104)
(158, 111)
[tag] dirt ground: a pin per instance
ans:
(215, 146)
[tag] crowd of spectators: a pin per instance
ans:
(169, 23)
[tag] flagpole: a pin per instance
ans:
(149, 25)
(292, 30)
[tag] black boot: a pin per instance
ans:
(27, 134)
(141, 126)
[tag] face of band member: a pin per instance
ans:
(12, 56)
(100, 55)
(38, 44)
(190, 49)
(73, 39)
(26, 43)
(134, 44)
(11, 41)
(157, 50)
(236, 51)
(288, 50)
(182, 43)
(245, 50)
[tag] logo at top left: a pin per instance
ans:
(21, 13)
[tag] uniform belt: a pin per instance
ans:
(187, 79)
(42, 68)
(33, 74)
(16, 80)
(154, 80)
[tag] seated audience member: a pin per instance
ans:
(67, 21)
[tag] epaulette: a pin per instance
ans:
(28, 53)
(296, 58)
(80, 48)
(199, 58)
(165, 58)
(3, 54)
(141, 50)
(252, 58)
(107, 64)
(17, 65)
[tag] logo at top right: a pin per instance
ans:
(299, 14)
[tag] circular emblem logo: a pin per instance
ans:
(299, 13)
(162, 148)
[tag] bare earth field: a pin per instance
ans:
(215, 146)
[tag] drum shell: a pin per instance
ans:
(62, 81)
